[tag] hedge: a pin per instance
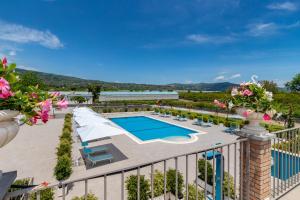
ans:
(131, 186)
(63, 168)
(90, 196)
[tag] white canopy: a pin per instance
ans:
(96, 131)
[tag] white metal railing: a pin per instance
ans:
(112, 185)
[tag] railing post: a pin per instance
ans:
(256, 164)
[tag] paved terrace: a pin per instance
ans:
(32, 153)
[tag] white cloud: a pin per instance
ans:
(12, 53)
(220, 78)
(261, 29)
(202, 39)
(265, 29)
(234, 76)
(188, 82)
(286, 6)
(21, 34)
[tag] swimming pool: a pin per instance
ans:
(146, 129)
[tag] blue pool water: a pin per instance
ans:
(285, 165)
(146, 128)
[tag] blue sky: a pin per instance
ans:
(154, 41)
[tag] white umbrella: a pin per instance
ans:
(97, 131)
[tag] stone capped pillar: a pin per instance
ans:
(256, 166)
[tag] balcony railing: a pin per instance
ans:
(216, 176)
(285, 169)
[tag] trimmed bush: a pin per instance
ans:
(228, 178)
(63, 168)
(64, 148)
(158, 182)
(131, 186)
(201, 168)
(171, 182)
(46, 194)
(192, 193)
(90, 196)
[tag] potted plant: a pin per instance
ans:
(253, 102)
(29, 102)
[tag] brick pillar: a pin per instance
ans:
(256, 167)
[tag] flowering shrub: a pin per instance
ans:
(253, 97)
(30, 101)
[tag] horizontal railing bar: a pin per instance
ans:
(119, 171)
(285, 130)
(114, 172)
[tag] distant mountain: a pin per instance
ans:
(63, 82)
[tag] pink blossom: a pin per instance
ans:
(4, 61)
(4, 85)
(34, 119)
(34, 95)
(5, 94)
(62, 104)
(44, 116)
(46, 105)
(55, 94)
(266, 117)
(247, 113)
(247, 93)
(219, 104)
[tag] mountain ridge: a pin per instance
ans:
(69, 82)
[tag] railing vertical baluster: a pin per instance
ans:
(165, 180)
(241, 169)
(228, 168)
(293, 158)
(234, 168)
(176, 178)
(205, 175)
(122, 186)
(222, 173)
(105, 187)
(85, 189)
(274, 168)
(278, 161)
(38, 195)
(288, 164)
(187, 176)
(138, 183)
(283, 140)
(214, 175)
(152, 188)
(63, 192)
(197, 176)
(298, 148)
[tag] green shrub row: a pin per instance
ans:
(63, 168)
(216, 119)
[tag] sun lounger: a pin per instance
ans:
(99, 158)
(182, 119)
(92, 150)
(200, 122)
(232, 129)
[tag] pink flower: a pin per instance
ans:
(45, 105)
(219, 104)
(62, 104)
(247, 93)
(34, 119)
(4, 62)
(34, 95)
(4, 89)
(55, 94)
(44, 116)
(266, 117)
(247, 113)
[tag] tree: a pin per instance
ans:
(158, 183)
(270, 86)
(294, 84)
(95, 89)
(32, 79)
(209, 170)
(192, 193)
(78, 99)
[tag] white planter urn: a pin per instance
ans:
(254, 127)
(8, 126)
